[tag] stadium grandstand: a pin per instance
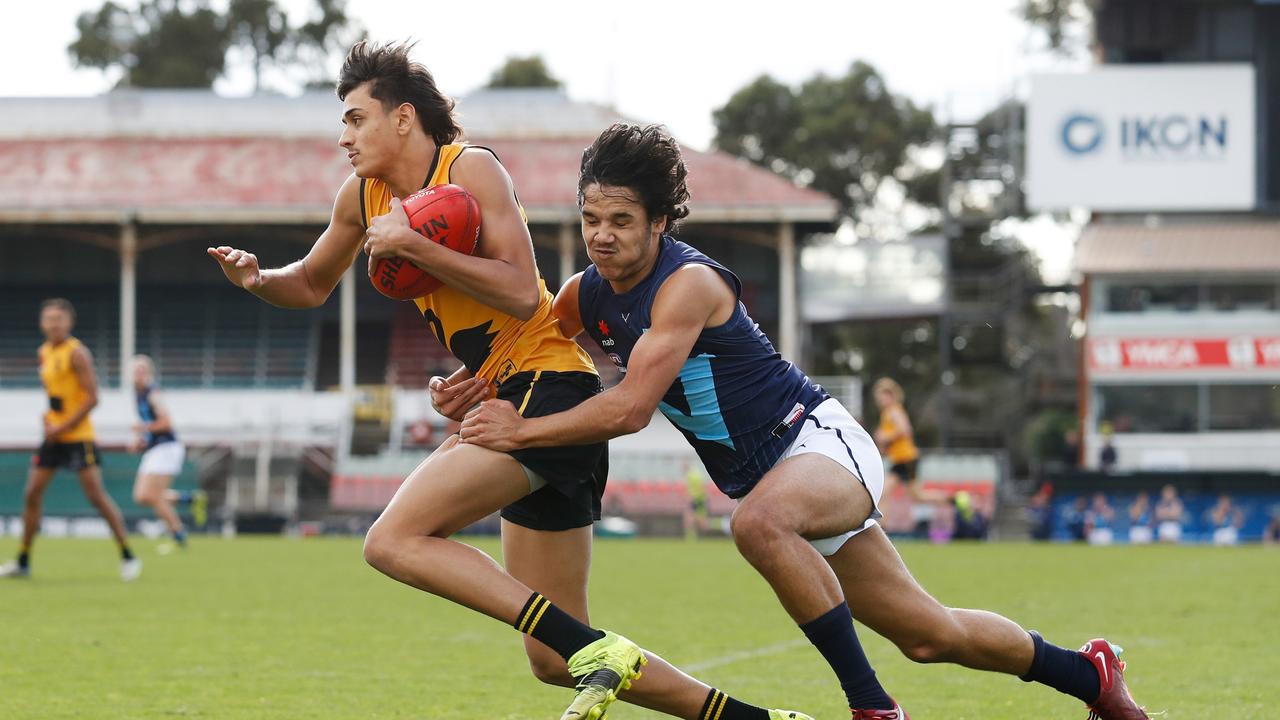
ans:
(110, 201)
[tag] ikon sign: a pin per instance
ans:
(1245, 352)
(1143, 138)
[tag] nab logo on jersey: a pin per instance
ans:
(604, 330)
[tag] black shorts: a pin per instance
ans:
(75, 456)
(575, 474)
(906, 471)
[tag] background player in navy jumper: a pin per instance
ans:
(809, 477)
(162, 455)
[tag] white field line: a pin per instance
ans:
(745, 655)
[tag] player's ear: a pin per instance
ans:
(406, 117)
(661, 223)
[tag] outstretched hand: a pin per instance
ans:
(240, 267)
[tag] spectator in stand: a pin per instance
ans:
(1271, 535)
(1169, 515)
(1040, 513)
(1071, 450)
(1098, 521)
(1140, 520)
(1107, 458)
(1075, 519)
(1226, 520)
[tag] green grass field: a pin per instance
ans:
(275, 628)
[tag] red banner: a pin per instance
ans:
(1243, 352)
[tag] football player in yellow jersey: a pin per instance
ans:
(494, 314)
(896, 440)
(66, 370)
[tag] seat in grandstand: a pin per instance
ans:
(97, 326)
(414, 354)
(224, 340)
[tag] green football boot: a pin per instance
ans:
(603, 669)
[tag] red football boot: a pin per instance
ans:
(1114, 702)
(897, 713)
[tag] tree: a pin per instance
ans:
(157, 45)
(331, 32)
(523, 72)
(262, 27)
(1059, 19)
(176, 43)
(841, 135)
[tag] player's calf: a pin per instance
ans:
(546, 665)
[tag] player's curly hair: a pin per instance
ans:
(645, 159)
(395, 79)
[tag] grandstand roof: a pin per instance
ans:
(190, 156)
(1236, 246)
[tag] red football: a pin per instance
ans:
(444, 214)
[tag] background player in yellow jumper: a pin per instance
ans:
(896, 440)
(66, 370)
(495, 315)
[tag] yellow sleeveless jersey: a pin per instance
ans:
(902, 450)
(66, 394)
(489, 342)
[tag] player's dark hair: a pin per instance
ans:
(393, 80)
(62, 304)
(644, 159)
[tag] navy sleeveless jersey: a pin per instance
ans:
(737, 401)
(148, 415)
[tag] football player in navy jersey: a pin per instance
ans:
(807, 475)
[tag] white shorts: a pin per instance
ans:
(163, 459)
(1226, 536)
(1140, 534)
(1169, 531)
(832, 432)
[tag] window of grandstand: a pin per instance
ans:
(1150, 408)
(1231, 297)
(1136, 298)
(1244, 407)
(1221, 407)
(1181, 296)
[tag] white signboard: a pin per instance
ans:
(1143, 138)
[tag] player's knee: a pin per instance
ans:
(379, 548)
(144, 497)
(755, 527)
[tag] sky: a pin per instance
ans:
(658, 61)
